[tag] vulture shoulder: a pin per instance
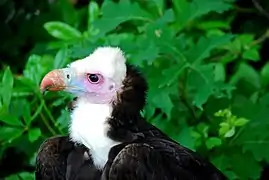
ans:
(158, 159)
(51, 158)
(59, 159)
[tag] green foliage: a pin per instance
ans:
(62, 31)
(185, 50)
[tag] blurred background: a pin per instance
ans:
(206, 62)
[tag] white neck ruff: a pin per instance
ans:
(89, 127)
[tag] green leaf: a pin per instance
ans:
(204, 46)
(25, 87)
(62, 30)
(116, 13)
(12, 177)
(164, 37)
(245, 40)
(214, 33)
(247, 73)
(21, 176)
(157, 94)
(166, 104)
(219, 72)
(63, 119)
(32, 160)
(185, 138)
(160, 123)
(213, 142)
(224, 113)
(171, 74)
(221, 162)
(68, 11)
(196, 135)
(230, 133)
(221, 90)
(37, 112)
(34, 134)
(201, 79)
(26, 175)
(257, 145)
(235, 46)
(213, 25)
(241, 122)
(229, 57)
(61, 58)
(149, 111)
(10, 119)
(187, 11)
(265, 74)
(36, 67)
(224, 128)
(26, 114)
(93, 13)
(203, 129)
(10, 133)
(251, 54)
(255, 142)
(231, 175)
(238, 163)
(7, 86)
(148, 52)
(160, 5)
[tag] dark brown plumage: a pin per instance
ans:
(51, 159)
(60, 159)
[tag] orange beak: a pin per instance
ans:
(53, 81)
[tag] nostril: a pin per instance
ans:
(68, 76)
(111, 87)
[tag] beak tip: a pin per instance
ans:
(43, 91)
(44, 86)
(53, 81)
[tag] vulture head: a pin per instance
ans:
(109, 96)
(103, 77)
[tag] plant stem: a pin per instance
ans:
(47, 124)
(261, 38)
(260, 8)
(182, 87)
(51, 117)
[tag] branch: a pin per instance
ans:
(184, 100)
(51, 117)
(260, 8)
(47, 124)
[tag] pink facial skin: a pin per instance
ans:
(101, 91)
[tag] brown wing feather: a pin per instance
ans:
(159, 159)
(51, 158)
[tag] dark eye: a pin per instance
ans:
(93, 78)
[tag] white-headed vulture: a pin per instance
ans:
(108, 137)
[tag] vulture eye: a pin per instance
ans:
(94, 78)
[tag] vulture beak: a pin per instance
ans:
(55, 80)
